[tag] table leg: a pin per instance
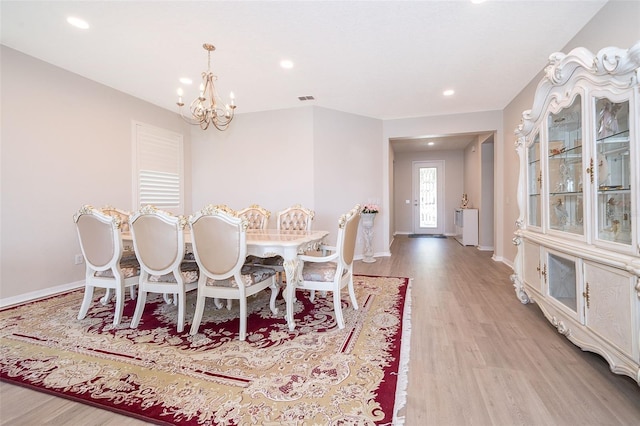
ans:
(291, 272)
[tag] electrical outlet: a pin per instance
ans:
(78, 259)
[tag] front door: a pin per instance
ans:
(428, 197)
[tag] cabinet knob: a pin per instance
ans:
(585, 294)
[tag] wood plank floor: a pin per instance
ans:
(478, 356)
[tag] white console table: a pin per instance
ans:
(466, 222)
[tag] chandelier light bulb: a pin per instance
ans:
(180, 93)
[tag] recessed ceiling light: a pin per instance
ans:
(185, 80)
(286, 64)
(448, 92)
(78, 23)
(431, 143)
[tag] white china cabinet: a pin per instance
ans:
(577, 237)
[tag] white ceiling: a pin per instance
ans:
(381, 59)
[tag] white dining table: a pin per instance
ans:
(275, 242)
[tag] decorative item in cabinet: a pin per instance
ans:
(613, 172)
(565, 168)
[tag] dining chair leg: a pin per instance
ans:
(243, 318)
(197, 316)
(117, 316)
(352, 295)
(337, 307)
(181, 309)
(275, 289)
(86, 302)
(142, 299)
(107, 296)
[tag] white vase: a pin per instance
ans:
(367, 219)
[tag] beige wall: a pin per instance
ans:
(325, 160)
(617, 24)
(347, 163)
(65, 142)
(486, 219)
(263, 158)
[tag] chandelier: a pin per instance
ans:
(208, 108)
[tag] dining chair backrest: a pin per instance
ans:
(158, 240)
(295, 218)
(256, 216)
(99, 238)
(219, 242)
(347, 233)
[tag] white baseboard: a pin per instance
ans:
(39, 294)
(382, 254)
(486, 248)
(503, 260)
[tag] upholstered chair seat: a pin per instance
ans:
(188, 271)
(321, 272)
(249, 274)
(130, 267)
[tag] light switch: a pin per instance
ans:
(407, 201)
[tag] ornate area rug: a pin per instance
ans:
(315, 375)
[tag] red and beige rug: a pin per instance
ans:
(316, 374)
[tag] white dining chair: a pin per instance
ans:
(105, 267)
(294, 218)
(257, 217)
(158, 241)
(334, 271)
(220, 247)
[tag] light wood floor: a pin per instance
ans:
(478, 356)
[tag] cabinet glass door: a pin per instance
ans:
(562, 279)
(612, 171)
(565, 169)
(535, 180)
